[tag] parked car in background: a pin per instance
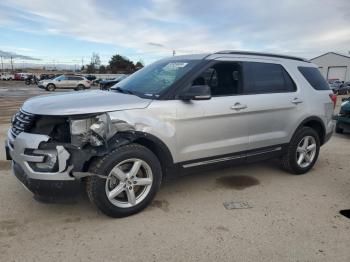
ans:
(7, 76)
(21, 76)
(177, 115)
(75, 82)
(48, 76)
(107, 84)
(90, 77)
(335, 85)
(17, 76)
(344, 89)
(343, 118)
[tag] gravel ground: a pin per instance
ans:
(293, 218)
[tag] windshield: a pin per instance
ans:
(155, 78)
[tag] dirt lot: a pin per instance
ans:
(293, 218)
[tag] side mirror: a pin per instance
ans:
(196, 92)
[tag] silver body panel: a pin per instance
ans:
(82, 102)
(195, 129)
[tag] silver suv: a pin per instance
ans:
(75, 82)
(176, 115)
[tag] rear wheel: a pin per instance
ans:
(50, 87)
(302, 151)
(127, 180)
(79, 87)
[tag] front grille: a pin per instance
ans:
(22, 122)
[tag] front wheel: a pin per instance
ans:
(302, 151)
(50, 87)
(126, 180)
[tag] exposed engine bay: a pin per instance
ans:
(64, 144)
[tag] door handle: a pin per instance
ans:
(238, 106)
(296, 101)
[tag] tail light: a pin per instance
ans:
(333, 97)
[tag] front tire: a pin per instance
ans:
(50, 87)
(126, 180)
(302, 151)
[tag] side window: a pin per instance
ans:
(62, 77)
(267, 78)
(314, 77)
(71, 78)
(224, 79)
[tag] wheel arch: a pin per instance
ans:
(151, 142)
(317, 124)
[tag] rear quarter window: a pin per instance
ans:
(314, 77)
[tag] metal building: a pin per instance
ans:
(333, 66)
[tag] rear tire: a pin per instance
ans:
(50, 87)
(79, 88)
(302, 151)
(117, 190)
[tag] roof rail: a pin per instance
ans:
(232, 52)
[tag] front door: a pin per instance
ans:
(214, 128)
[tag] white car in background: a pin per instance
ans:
(75, 82)
(7, 76)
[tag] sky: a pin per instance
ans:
(61, 31)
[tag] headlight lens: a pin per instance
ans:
(89, 130)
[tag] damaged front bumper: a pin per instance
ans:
(28, 162)
(22, 151)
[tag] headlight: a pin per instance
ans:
(92, 130)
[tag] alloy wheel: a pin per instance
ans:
(129, 183)
(306, 151)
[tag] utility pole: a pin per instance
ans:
(174, 53)
(2, 64)
(82, 62)
(11, 64)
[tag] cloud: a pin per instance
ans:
(156, 27)
(155, 44)
(5, 54)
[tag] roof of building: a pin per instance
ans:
(334, 53)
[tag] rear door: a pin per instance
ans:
(274, 104)
(72, 81)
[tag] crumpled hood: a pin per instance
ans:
(83, 102)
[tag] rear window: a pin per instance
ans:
(314, 77)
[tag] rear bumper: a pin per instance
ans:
(48, 188)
